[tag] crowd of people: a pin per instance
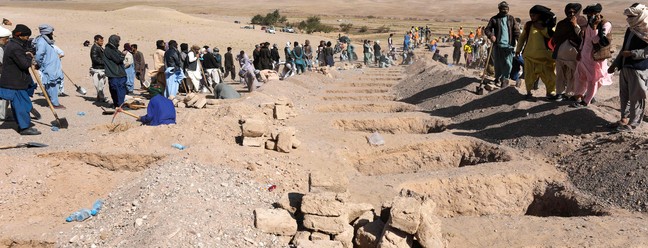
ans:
(570, 57)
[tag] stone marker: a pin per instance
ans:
(281, 112)
(318, 244)
(275, 221)
(253, 128)
(322, 204)
(394, 238)
(330, 225)
(368, 235)
(405, 214)
(429, 232)
(271, 145)
(355, 210)
(253, 142)
(346, 237)
(284, 141)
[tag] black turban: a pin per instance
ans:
(21, 30)
(502, 5)
(593, 9)
(575, 6)
(539, 9)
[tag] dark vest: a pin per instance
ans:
(635, 44)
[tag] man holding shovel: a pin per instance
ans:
(16, 84)
(47, 58)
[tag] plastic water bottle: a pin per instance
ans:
(81, 113)
(96, 207)
(81, 215)
(376, 139)
(179, 146)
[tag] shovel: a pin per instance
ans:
(28, 145)
(480, 88)
(62, 122)
(79, 89)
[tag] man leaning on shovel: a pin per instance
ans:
(16, 84)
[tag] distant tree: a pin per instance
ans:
(269, 19)
(363, 29)
(383, 29)
(312, 24)
(345, 27)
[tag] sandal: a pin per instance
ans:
(623, 129)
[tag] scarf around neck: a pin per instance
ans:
(637, 18)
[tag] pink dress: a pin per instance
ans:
(591, 74)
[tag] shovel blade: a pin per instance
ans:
(479, 90)
(62, 123)
(36, 144)
(81, 90)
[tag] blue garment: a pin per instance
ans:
(518, 65)
(160, 111)
(406, 43)
(130, 78)
(503, 40)
(173, 81)
(47, 57)
(117, 87)
(20, 104)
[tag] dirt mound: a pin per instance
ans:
(420, 125)
(113, 162)
(613, 169)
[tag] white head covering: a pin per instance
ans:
(637, 18)
(5, 32)
(288, 44)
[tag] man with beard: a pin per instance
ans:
(173, 72)
(265, 58)
(115, 71)
(229, 64)
(49, 63)
(567, 39)
(274, 55)
(504, 32)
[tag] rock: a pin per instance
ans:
(281, 112)
(284, 142)
(330, 225)
(254, 128)
(405, 214)
(253, 142)
(295, 143)
(368, 235)
(290, 202)
(346, 237)
(275, 221)
(394, 238)
(139, 222)
(74, 239)
(429, 232)
(189, 97)
(318, 244)
(322, 204)
(329, 181)
(283, 101)
(319, 236)
(181, 105)
(355, 210)
(301, 235)
(364, 219)
(193, 100)
(271, 145)
(201, 103)
(267, 105)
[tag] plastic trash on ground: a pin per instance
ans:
(375, 139)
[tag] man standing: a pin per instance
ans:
(115, 71)
(98, 71)
(274, 55)
(504, 32)
(377, 53)
(4, 38)
(567, 40)
(633, 63)
(229, 64)
(173, 71)
(16, 83)
(140, 66)
(49, 62)
(211, 67)
(157, 74)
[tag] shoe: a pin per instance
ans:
(30, 131)
(623, 129)
(62, 94)
(551, 97)
(559, 98)
(529, 97)
(100, 97)
(60, 106)
(578, 105)
(130, 93)
(505, 83)
(593, 100)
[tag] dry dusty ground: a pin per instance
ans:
(506, 173)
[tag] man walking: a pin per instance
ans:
(98, 71)
(632, 62)
(229, 64)
(49, 62)
(115, 71)
(504, 32)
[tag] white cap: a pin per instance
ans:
(4, 32)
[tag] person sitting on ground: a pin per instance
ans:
(160, 111)
(444, 59)
(225, 91)
(437, 55)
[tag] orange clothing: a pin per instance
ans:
(461, 32)
(471, 36)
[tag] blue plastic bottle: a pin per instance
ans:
(179, 146)
(96, 207)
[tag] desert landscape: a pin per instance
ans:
(291, 165)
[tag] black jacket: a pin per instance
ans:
(96, 56)
(16, 65)
(565, 31)
(229, 60)
(114, 59)
(274, 54)
(172, 59)
(219, 60)
(493, 28)
(209, 61)
(265, 59)
(636, 43)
